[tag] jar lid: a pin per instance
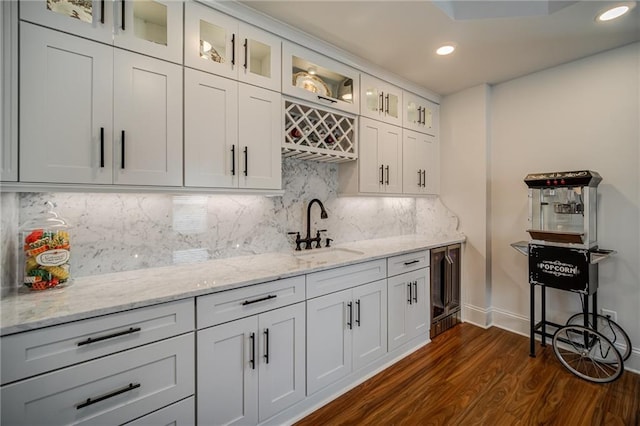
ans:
(48, 220)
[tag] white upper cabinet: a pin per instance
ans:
(309, 75)
(220, 44)
(420, 114)
(420, 163)
(380, 160)
(380, 100)
(151, 27)
(8, 91)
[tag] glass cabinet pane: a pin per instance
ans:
(392, 102)
(213, 42)
(81, 10)
(259, 58)
(412, 112)
(150, 21)
(372, 99)
(322, 81)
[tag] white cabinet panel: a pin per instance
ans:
(66, 108)
(182, 413)
(421, 163)
(407, 262)
(380, 160)
(380, 100)
(147, 120)
(369, 323)
(408, 306)
(335, 279)
(8, 91)
(420, 114)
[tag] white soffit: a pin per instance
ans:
(466, 10)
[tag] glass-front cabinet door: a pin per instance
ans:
(222, 45)
(92, 19)
(420, 114)
(380, 100)
(309, 75)
(152, 27)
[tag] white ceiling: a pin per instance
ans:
(401, 36)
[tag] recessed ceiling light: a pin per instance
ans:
(447, 49)
(613, 13)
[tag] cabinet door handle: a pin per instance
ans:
(91, 401)
(122, 21)
(415, 291)
(411, 262)
(102, 12)
(246, 161)
(102, 147)
(252, 361)
(90, 340)
(350, 322)
(419, 177)
(387, 181)
(381, 102)
(358, 313)
(262, 299)
(122, 159)
(266, 344)
(424, 178)
(233, 49)
(324, 98)
(386, 108)
(246, 53)
(409, 299)
(233, 160)
(382, 174)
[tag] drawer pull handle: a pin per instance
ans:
(91, 401)
(411, 263)
(109, 336)
(323, 98)
(249, 302)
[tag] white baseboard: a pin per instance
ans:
(476, 315)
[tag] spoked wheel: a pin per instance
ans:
(609, 329)
(587, 354)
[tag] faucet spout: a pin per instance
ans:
(323, 215)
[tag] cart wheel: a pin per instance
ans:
(587, 354)
(609, 329)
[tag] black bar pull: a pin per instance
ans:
(91, 401)
(350, 322)
(266, 344)
(233, 49)
(387, 181)
(411, 262)
(122, 21)
(102, 147)
(90, 340)
(386, 108)
(233, 160)
(102, 11)
(381, 102)
(382, 174)
(419, 177)
(324, 98)
(122, 159)
(358, 313)
(424, 178)
(262, 299)
(246, 161)
(252, 361)
(246, 53)
(415, 291)
(410, 295)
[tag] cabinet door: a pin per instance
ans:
(227, 373)
(147, 120)
(210, 130)
(282, 359)
(454, 261)
(420, 114)
(66, 92)
(380, 100)
(259, 138)
(369, 323)
(261, 56)
(182, 413)
(91, 19)
(391, 154)
(420, 163)
(210, 40)
(152, 27)
(9, 91)
(380, 158)
(438, 284)
(399, 297)
(418, 315)
(328, 339)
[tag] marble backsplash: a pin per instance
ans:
(119, 232)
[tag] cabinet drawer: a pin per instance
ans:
(408, 262)
(233, 304)
(181, 413)
(329, 281)
(109, 390)
(34, 352)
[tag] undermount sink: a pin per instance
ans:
(326, 254)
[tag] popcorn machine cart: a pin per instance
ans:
(563, 254)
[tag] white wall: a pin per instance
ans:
(464, 179)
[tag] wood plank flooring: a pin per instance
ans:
(472, 376)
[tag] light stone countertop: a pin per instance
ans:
(91, 296)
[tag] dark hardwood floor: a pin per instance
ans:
(471, 376)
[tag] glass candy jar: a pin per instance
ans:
(45, 250)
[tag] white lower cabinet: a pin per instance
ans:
(107, 391)
(408, 306)
(252, 368)
(182, 413)
(345, 331)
